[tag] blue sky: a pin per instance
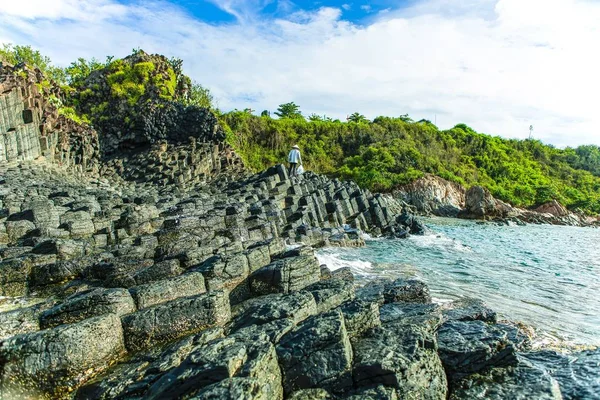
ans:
(496, 65)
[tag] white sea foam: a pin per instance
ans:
(440, 241)
(334, 261)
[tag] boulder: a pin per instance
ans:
(407, 290)
(221, 360)
(472, 346)
(480, 204)
(174, 319)
(88, 304)
(317, 354)
(56, 361)
(468, 309)
(427, 317)
(149, 294)
(285, 276)
(401, 357)
(331, 293)
(360, 316)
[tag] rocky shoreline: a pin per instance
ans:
(162, 269)
(432, 195)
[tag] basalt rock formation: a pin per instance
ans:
(158, 269)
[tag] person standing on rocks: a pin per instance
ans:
(294, 159)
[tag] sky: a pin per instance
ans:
(497, 65)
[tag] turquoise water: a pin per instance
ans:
(545, 276)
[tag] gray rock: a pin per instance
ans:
(229, 272)
(56, 361)
(235, 388)
(17, 230)
(132, 377)
(174, 319)
(88, 304)
(520, 383)
(294, 306)
(469, 347)
(150, 294)
(21, 320)
(360, 316)
(423, 316)
(402, 357)
(317, 354)
(160, 270)
(222, 359)
(310, 394)
(373, 291)
(373, 393)
(78, 223)
(331, 293)
(285, 276)
(407, 290)
(576, 373)
(468, 309)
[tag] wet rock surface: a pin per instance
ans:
(155, 266)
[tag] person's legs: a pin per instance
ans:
(293, 167)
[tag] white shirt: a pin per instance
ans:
(294, 156)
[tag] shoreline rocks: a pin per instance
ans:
(432, 195)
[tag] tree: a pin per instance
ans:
(79, 70)
(406, 118)
(27, 55)
(199, 96)
(357, 117)
(289, 110)
(265, 113)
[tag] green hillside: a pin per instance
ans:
(379, 154)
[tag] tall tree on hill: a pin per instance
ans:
(357, 117)
(289, 110)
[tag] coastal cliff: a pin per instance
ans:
(432, 195)
(157, 266)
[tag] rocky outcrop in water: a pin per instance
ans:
(433, 195)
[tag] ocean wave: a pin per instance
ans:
(441, 241)
(335, 261)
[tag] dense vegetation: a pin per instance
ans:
(388, 152)
(379, 154)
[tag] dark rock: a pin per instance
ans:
(235, 388)
(403, 358)
(576, 373)
(469, 347)
(56, 361)
(379, 392)
(149, 294)
(522, 382)
(88, 304)
(331, 293)
(419, 316)
(360, 316)
(468, 309)
(311, 394)
(317, 354)
(220, 360)
(174, 319)
(286, 275)
(407, 290)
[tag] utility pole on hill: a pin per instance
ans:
(530, 131)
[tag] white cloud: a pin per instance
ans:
(346, 7)
(498, 66)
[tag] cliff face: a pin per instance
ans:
(31, 126)
(433, 195)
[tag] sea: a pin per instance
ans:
(545, 277)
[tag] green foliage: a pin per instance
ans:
(199, 96)
(357, 118)
(27, 55)
(71, 114)
(289, 110)
(392, 151)
(130, 81)
(79, 70)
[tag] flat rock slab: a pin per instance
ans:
(317, 354)
(294, 306)
(221, 360)
(236, 388)
(469, 347)
(402, 358)
(520, 383)
(577, 373)
(360, 316)
(425, 316)
(285, 276)
(331, 293)
(185, 285)
(469, 309)
(174, 319)
(88, 304)
(56, 361)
